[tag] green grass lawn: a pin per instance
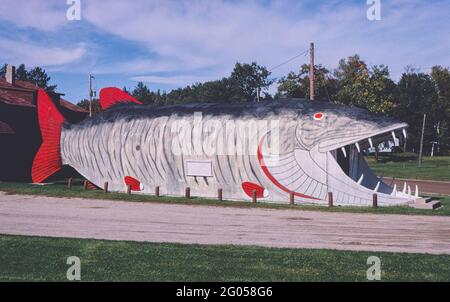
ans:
(44, 259)
(60, 189)
(405, 165)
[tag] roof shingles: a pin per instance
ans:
(21, 94)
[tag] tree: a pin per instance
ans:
(240, 86)
(380, 90)
(21, 73)
(3, 71)
(37, 75)
(96, 108)
(415, 97)
(247, 78)
(142, 93)
(441, 79)
(359, 85)
(297, 85)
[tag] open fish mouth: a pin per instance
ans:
(349, 157)
(310, 174)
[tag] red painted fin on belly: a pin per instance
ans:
(48, 158)
(111, 96)
(249, 187)
(134, 183)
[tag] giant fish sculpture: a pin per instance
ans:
(273, 149)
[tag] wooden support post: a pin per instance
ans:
(375, 200)
(219, 194)
(188, 192)
(105, 187)
(421, 140)
(157, 191)
(69, 183)
(330, 199)
(129, 189)
(85, 185)
(291, 198)
(254, 196)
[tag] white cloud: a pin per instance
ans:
(42, 15)
(160, 64)
(30, 54)
(190, 35)
(205, 38)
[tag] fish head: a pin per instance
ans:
(327, 127)
(329, 144)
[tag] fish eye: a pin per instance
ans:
(319, 116)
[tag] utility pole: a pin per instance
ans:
(421, 140)
(91, 94)
(311, 72)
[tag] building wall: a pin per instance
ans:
(17, 150)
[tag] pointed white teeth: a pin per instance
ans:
(371, 143)
(393, 136)
(344, 152)
(404, 133)
(409, 191)
(404, 188)
(360, 179)
(357, 147)
(416, 194)
(377, 187)
(394, 191)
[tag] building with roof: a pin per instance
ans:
(20, 135)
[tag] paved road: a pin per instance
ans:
(100, 219)
(425, 186)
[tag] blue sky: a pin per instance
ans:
(169, 44)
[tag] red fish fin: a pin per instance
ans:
(111, 96)
(134, 183)
(249, 187)
(48, 158)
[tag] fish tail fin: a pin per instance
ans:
(48, 158)
(111, 96)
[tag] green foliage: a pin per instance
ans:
(404, 165)
(362, 86)
(38, 76)
(416, 96)
(246, 78)
(240, 86)
(96, 108)
(297, 85)
(441, 108)
(3, 71)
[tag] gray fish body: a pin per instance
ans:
(286, 150)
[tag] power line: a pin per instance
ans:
(290, 60)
